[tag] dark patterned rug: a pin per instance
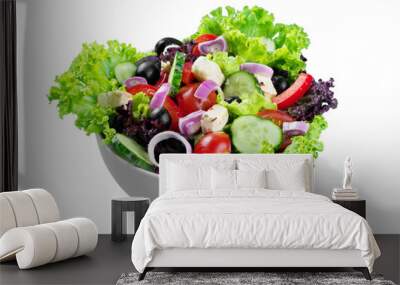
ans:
(244, 278)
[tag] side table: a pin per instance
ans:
(357, 206)
(138, 205)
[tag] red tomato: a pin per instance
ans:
(293, 94)
(196, 51)
(218, 142)
(187, 103)
(169, 104)
(187, 75)
(205, 38)
(276, 116)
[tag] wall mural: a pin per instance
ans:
(237, 85)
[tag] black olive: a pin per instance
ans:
(162, 117)
(150, 70)
(233, 98)
(280, 83)
(170, 145)
(163, 43)
(147, 58)
(280, 72)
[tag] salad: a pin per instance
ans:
(237, 85)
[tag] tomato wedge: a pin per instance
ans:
(293, 94)
(169, 104)
(187, 75)
(276, 116)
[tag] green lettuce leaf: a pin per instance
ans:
(91, 73)
(140, 106)
(310, 142)
(247, 31)
(250, 104)
(228, 64)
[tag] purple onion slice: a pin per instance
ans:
(257, 68)
(295, 128)
(135, 80)
(191, 124)
(158, 99)
(219, 44)
(205, 88)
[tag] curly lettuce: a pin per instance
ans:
(252, 34)
(90, 74)
(228, 64)
(140, 106)
(250, 104)
(310, 142)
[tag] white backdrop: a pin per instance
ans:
(356, 42)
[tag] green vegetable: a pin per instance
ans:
(228, 64)
(90, 74)
(241, 82)
(124, 70)
(175, 75)
(310, 141)
(247, 32)
(140, 106)
(132, 151)
(250, 104)
(252, 134)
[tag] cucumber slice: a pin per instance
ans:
(132, 151)
(252, 134)
(175, 75)
(239, 83)
(124, 70)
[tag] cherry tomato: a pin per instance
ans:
(187, 75)
(169, 104)
(218, 142)
(205, 38)
(276, 116)
(187, 103)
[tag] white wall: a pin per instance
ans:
(356, 42)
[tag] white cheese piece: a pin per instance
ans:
(215, 119)
(114, 99)
(205, 69)
(266, 84)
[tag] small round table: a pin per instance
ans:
(138, 205)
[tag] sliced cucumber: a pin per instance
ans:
(132, 151)
(124, 70)
(239, 83)
(252, 134)
(175, 75)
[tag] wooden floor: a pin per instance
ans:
(110, 260)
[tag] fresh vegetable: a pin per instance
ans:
(164, 42)
(215, 119)
(175, 75)
(132, 151)
(219, 44)
(205, 38)
(145, 88)
(239, 83)
(257, 68)
(188, 103)
(190, 124)
(161, 116)
(173, 145)
(276, 116)
(252, 134)
(113, 98)
(187, 75)
(135, 80)
(228, 64)
(205, 69)
(295, 128)
(150, 70)
(310, 142)
(124, 70)
(204, 89)
(318, 100)
(218, 142)
(140, 106)
(248, 104)
(293, 94)
(158, 99)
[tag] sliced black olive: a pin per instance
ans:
(233, 98)
(150, 70)
(280, 83)
(163, 43)
(170, 145)
(162, 117)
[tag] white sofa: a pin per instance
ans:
(32, 233)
